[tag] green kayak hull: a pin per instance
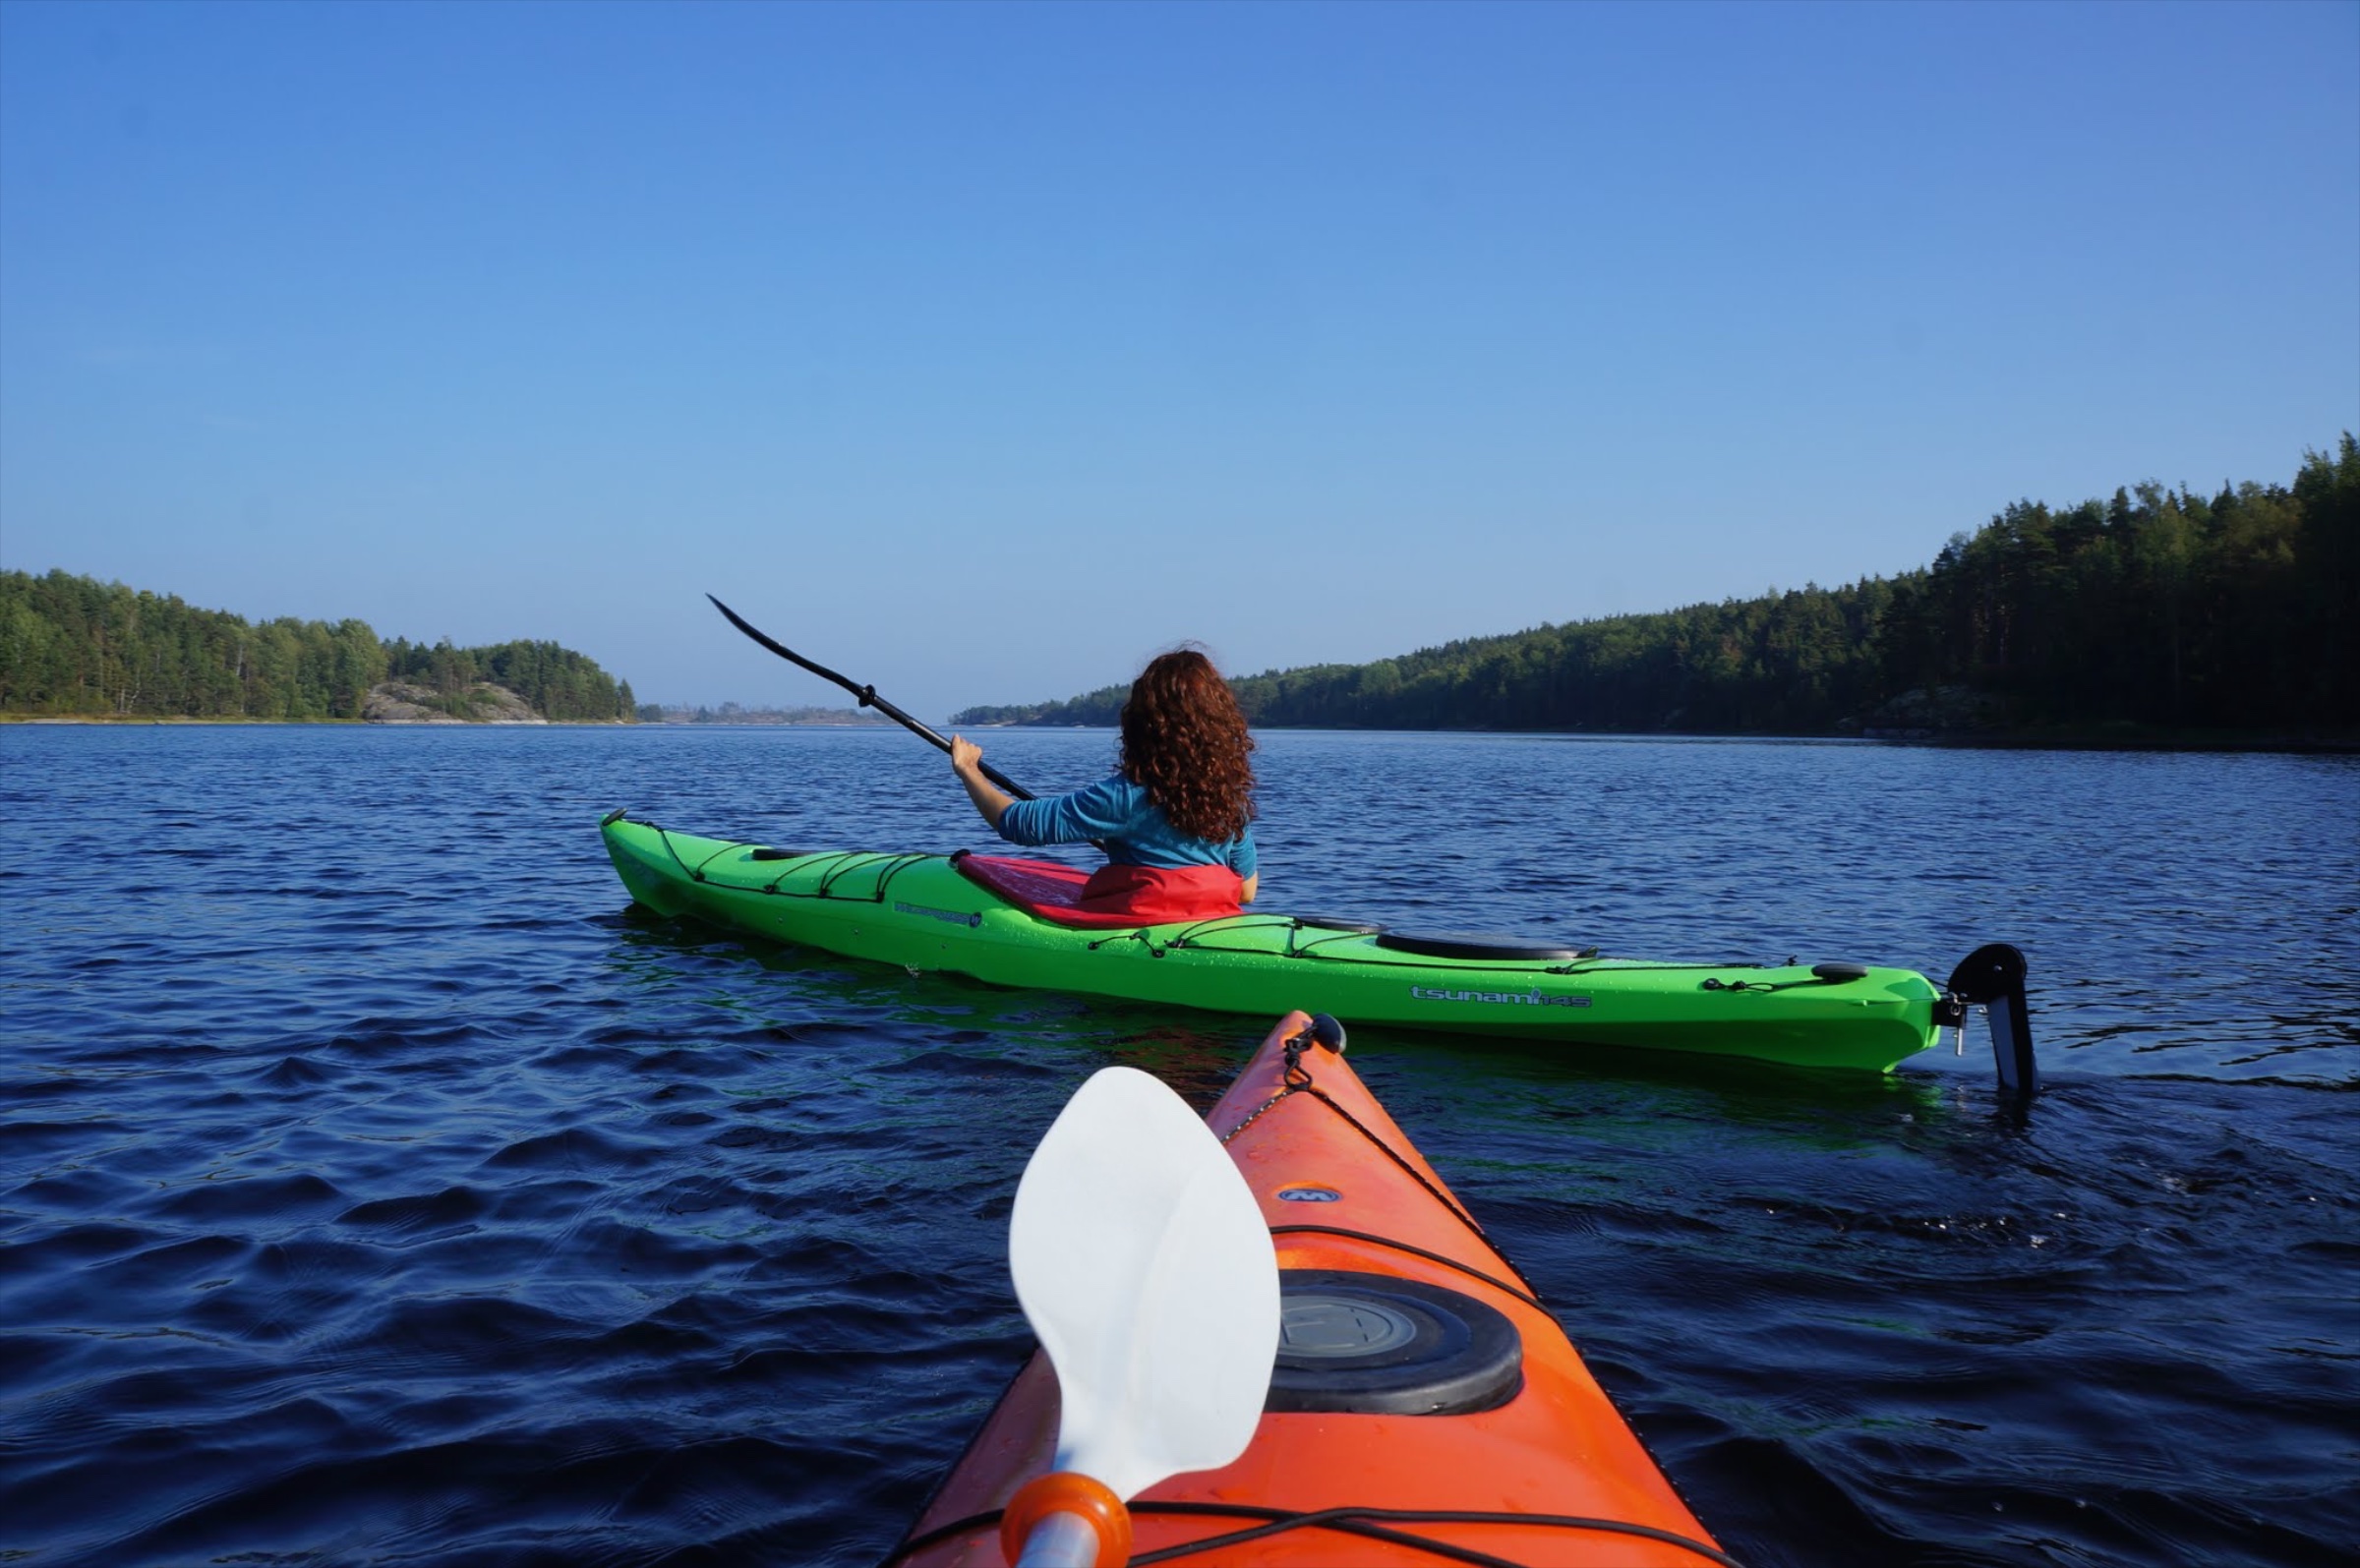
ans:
(918, 912)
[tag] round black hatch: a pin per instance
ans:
(1476, 945)
(1372, 1345)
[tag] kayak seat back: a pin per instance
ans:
(1112, 897)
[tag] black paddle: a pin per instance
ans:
(867, 695)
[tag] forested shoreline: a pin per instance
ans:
(74, 647)
(2156, 611)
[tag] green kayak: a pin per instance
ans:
(933, 913)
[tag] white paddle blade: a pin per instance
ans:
(1143, 1262)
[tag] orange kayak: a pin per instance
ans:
(1425, 1406)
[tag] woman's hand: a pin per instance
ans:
(967, 761)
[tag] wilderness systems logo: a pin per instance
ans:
(1529, 999)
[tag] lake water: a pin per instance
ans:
(375, 1187)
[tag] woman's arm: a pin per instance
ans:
(1251, 886)
(967, 761)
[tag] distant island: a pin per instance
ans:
(71, 647)
(730, 713)
(2155, 618)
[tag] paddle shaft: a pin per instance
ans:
(1061, 1541)
(867, 695)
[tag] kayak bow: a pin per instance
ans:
(1425, 1406)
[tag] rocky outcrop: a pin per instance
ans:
(398, 702)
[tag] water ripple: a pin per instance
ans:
(377, 1186)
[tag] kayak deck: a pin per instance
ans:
(916, 910)
(1506, 1450)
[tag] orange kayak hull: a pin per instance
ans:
(1348, 1199)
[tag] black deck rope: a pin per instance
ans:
(1371, 1522)
(1368, 1522)
(1190, 937)
(841, 864)
(1186, 936)
(1526, 967)
(1760, 985)
(854, 860)
(796, 865)
(1195, 943)
(664, 835)
(892, 865)
(1140, 935)
(1296, 1080)
(1311, 949)
(908, 859)
(1188, 933)
(699, 872)
(1525, 1295)
(1593, 964)
(696, 872)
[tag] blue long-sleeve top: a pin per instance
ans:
(1121, 815)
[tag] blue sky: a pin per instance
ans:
(983, 351)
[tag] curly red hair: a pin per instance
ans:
(1185, 741)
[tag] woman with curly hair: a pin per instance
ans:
(1177, 819)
